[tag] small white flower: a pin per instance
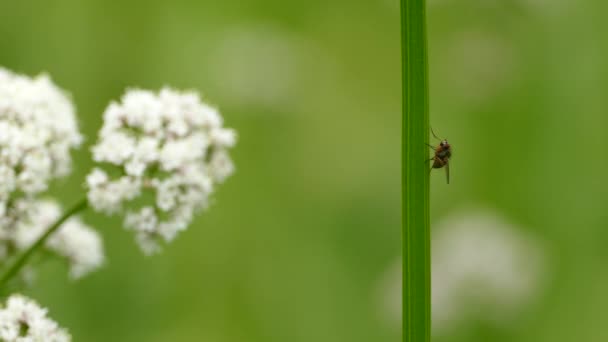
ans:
(145, 152)
(223, 137)
(96, 178)
(107, 196)
(9, 179)
(23, 320)
(144, 220)
(80, 245)
(167, 144)
(177, 153)
(115, 148)
(220, 166)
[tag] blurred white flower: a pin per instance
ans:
(170, 145)
(23, 320)
(482, 268)
(482, 265)
(37, 130)
(79, 244)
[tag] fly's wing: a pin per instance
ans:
(447, 171)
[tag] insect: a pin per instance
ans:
(443, 152)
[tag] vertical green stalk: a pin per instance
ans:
(415, 174)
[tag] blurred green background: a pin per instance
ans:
(519, 89)
(294, 243)
(298, 240)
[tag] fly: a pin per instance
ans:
(443, 153)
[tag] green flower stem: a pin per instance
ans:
(14, 268)
(415, 175)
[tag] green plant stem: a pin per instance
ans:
(14, 268)
(415, 174)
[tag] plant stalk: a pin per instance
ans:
(415, 174)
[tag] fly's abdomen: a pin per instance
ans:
(438, 163)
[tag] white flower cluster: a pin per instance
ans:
(37, 130)
(169, 145)
(78, 243)
(23, 320)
